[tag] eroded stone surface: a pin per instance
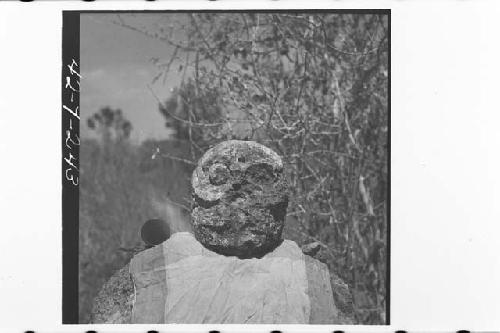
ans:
(240, 196)
(113, 304)
(311, 248)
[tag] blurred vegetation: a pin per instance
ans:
(313, 87)
(121, 187)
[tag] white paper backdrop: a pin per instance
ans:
(445, 195)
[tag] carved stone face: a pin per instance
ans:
(239, 199)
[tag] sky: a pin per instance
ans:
(116, 71)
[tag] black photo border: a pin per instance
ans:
(70, 103)
(70, 144)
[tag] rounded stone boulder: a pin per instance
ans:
(240, 196)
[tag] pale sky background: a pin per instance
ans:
(116, 70)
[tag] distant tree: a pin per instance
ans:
(185, 106)
(110, 124)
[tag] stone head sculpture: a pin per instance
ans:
(239, 199)
(238, 210)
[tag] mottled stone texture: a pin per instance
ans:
(113, 304)
(239, 199)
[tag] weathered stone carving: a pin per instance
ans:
(239, 199)
(238, 210)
